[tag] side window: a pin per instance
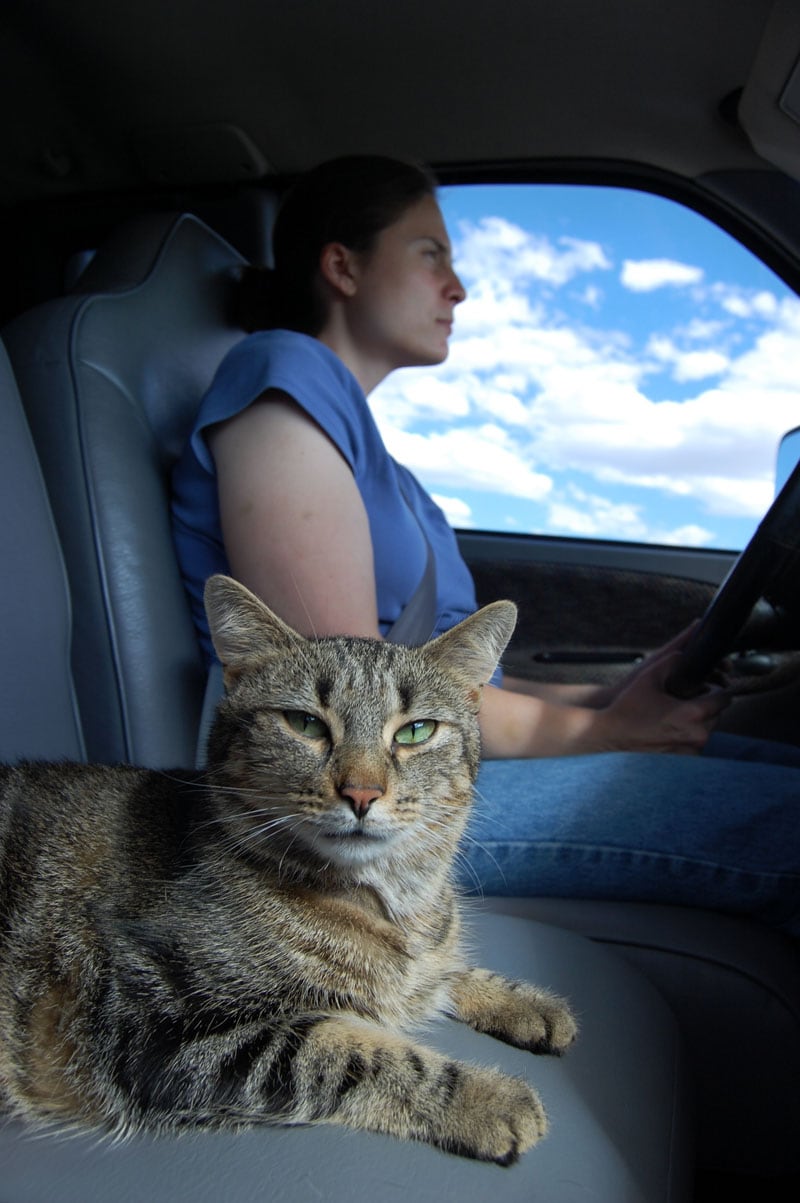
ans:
(621, 369)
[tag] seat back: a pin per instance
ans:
(111, 377)
(38, 708)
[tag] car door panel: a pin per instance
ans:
(588, 609)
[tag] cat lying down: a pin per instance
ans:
(252, 943)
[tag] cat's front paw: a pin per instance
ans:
(538, 1021)
(514, 1012)
(493, 1117)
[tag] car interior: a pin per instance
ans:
(143, 154)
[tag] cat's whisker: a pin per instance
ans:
(466, 870)
(235, 815)
(214, 787)
(244, 816)
(245, 791)
(285, 854)
(460, 860)
(248, 815)
(260, 833)
(483, 848)
(302, 601)
(461, 857)
(497, 820)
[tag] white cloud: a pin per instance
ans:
(742, 304)
(497, 249)
(645, 275)
(703, 330)
(481, 457)
(494, 303)
(697, 365)
(732, 494)
(409, 396)
(591, 296)
(583, 407)
(457, 512)
(688, 365)
(690, 535)
(504, 406)
(589, 516)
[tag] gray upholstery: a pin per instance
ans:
(617, 1105)
(734, 987)
(39, 715)
(111, 378)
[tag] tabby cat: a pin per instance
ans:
(251, 943)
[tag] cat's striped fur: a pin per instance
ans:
(252, 943)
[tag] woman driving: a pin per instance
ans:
(286, 485)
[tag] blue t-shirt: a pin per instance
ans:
(317, 380)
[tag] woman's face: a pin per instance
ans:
(405, 292)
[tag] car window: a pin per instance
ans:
(621, 369)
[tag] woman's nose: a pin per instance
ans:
(456, 290)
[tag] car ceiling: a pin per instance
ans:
(106, 95)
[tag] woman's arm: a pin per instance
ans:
(558, 692)
(638, 715)
(295, 528)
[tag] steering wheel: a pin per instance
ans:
(768, 567)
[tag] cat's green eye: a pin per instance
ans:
(306, 724)
(418, 732)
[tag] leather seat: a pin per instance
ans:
(734, 987)
(37, 698)
(618, 1107)
(111, 376)
(110, 379)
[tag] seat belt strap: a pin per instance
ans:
(417, 622)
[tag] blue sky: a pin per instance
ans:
(621, 369)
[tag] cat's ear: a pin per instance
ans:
(473, 649)
(242, 627)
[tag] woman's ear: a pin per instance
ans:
(339, 268)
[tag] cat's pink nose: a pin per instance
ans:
(360, 797)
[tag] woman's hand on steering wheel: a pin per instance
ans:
(642, 716)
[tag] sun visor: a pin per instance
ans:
(769, 109)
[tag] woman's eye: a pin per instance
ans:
(418, 732)
(306, 724)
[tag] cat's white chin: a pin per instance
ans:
(356, 846)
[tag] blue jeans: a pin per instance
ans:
(721, 830)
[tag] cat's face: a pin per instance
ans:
(350, 748)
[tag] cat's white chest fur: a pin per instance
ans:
(427, 924)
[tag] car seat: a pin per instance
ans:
(39, 709)
(111, 377)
